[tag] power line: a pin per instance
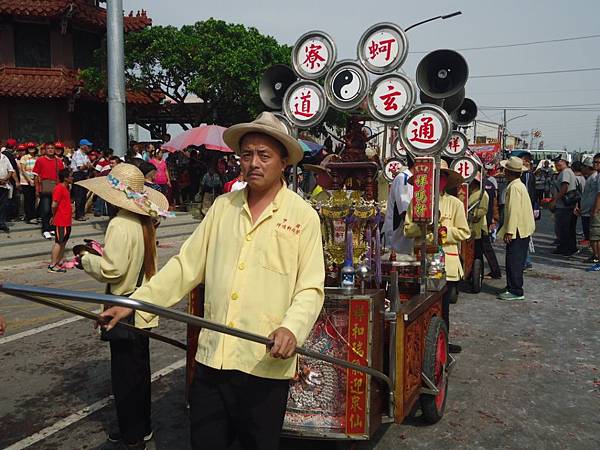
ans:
(548, 91)
(522, 44)
(590, 69)
(545, 106)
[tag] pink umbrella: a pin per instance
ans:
(211, 136)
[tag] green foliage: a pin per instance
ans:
(221, 63)
(93, 79)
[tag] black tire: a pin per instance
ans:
(452, 292)
(435, 360)
(477, 276)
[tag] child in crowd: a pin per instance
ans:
(61, 218)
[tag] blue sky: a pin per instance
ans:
(482, 23)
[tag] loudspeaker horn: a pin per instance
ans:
(450, 104)
(273, 84)
(466, 112)
(442, 73)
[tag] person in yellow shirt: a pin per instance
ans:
(259, 253)
(454, 219)
(517, 229)
(129, 257)
(478, 215)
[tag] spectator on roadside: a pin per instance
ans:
(80, 166)
(587, 202)
(518, 227)
(149, 172)
(210, 187)
(12, 208)
(7, 176)
(196, 172)
(102, 168)
(162, 173)
(26, 163)
(46, 169)
(595, 219)
(62, 212)
(492, 217)
(563, 204)
(114, 160)
(543, 180)
(59, 151)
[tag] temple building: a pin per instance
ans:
(43, 44)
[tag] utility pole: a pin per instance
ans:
(596, 144)
(504, 135)
(117, 120)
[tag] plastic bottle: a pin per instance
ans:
(347, 275)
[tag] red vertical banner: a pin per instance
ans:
(463, 196)
(356, 386)
(423, 190)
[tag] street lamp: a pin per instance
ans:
(504, 134)
(446, 16)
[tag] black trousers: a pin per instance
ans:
(229, 408)
(452, 289)
(130, 377)
(79, 195)
(29, 202)
(3, 205)
(585, 224)
(490, 255)
(516, 254)
(45, 211)
(566, 229)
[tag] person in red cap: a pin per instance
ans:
(59, 151)
(26, 164)
(46, 169)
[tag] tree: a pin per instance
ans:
(221, 63)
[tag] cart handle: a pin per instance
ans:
(29, 292)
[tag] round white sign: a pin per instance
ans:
(381, 48)
(390, 97)
(304, 103)
(466, 167)
(312, 56)
(456, 145)
(424, 131)
(392, 168)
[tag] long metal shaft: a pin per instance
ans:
(19, 290)
(117, 120)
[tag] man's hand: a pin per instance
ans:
(507, 238)
(115, 314)
(284, 343)
(2, 326)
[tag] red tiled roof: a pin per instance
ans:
(80, 11)
(57, 83)
(38, 82)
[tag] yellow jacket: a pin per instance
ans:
(518, 212)
(478, 222)
(453, 217)
(123, 257)
(258, 277)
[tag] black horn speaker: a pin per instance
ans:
(442, 73)
(450, 104)
(273, 85)
(466, 112)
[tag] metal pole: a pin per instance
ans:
(117, 121)
(504, 136)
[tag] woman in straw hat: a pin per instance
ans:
(517, 229)
(455, 228)
(129, 258)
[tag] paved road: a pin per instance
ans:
(528, 377)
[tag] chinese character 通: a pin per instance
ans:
(384, 46)
(304, 110)
(313, 58)
(423, 133)
(389, 99)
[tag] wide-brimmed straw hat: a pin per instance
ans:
(265, 123)
(124, 188)
(322, 166)
(514, 164)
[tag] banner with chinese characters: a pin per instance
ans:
(356, 387)
(423, 190)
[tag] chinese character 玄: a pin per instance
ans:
(423, 133)
(384, 46)
(389, 99)
(313, 58)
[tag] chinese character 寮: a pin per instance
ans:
(313, 58)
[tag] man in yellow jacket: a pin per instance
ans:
(517, 229)
(260, 255)
(454, 220)
(478, 215)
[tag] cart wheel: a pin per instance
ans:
(453, 292)
(435, 361)
(477, 275)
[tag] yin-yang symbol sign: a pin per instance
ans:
(346, 85)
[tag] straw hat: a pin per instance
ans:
(265, 123)
(453, 178)
(322, 166)
(514, 164)
(124, 188)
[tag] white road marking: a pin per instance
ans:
(84, 412)
(60, 323)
